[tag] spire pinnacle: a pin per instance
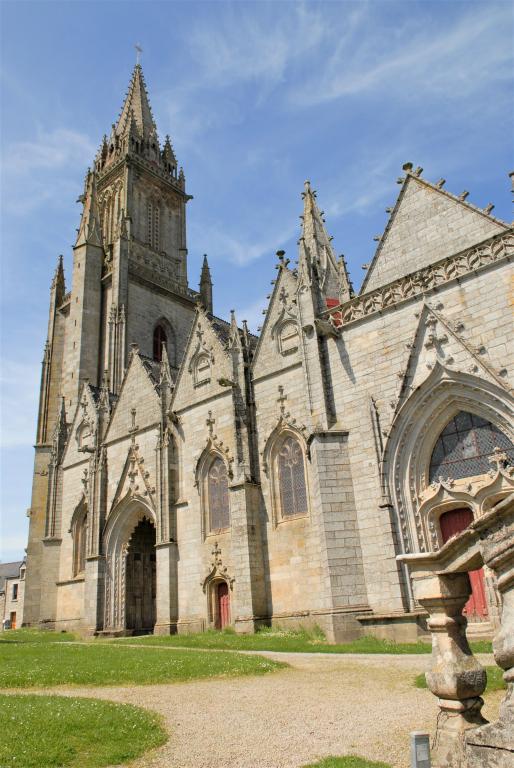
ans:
(58, 284)
(317, 255)
(206, 285)
(90, 229)
(138, 104)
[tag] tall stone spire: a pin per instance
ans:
(135, 130)
(137, 105)
(206, 286)
(317, 258)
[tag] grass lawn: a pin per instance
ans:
(350, 761)
(495, 681)
(281, 640)
(35, 636)
(48, 731)
(47, 664)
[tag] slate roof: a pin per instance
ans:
(9, 571)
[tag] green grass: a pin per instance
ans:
(51, 731)
(350, 761)
(35, 636)
(495, 681)
(289, 641)
(45, 664)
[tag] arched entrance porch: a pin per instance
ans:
(140, 585)
(130, 588)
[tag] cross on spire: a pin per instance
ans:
(139, 51)
(210, 422)
(133, 428)
(281, 399)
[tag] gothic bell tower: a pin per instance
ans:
(129, 286)
(130, 258)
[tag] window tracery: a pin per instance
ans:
(289, 479)
(464, 447)
(202, 369)
(218, 496)
(288, 338)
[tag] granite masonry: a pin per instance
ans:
(189, 474)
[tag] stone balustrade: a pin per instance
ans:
(463, 739)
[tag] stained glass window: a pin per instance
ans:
(465, 445)
(219, 514)
(291, 479)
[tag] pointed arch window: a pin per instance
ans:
(159, 338)
(465, 445)
(290, 472)
(79, 543)
(217, 496)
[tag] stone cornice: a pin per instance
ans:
(495, 249)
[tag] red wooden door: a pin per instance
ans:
(453, 522)
(223, 605)
(13, 619)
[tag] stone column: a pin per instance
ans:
(455, 676)
(167, 596)
(248, 601)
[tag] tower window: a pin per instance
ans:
(159, 338)
(153, 224)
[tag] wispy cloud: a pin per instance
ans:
(258, 47)
(43, 169)
(232, 246)
(457, 59)
(55, 149)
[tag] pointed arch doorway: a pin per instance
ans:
(452, 523)
(222, 604)
(140, 575)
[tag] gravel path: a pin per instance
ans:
(323, 705)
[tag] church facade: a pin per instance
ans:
(189, 474)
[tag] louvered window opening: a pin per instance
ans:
(217, 482)
(153, 221)
(464, 447)
(159, 338)
(291, 479)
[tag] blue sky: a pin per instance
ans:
(257, 97)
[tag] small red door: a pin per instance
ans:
(453, 522)
(13, 619)
(223, 600)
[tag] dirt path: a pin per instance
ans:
(323, 705)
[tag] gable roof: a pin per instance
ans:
(426, 224)
(9, 571)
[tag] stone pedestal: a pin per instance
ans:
(492, 746)
(455, 676)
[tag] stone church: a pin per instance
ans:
(190, 475)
